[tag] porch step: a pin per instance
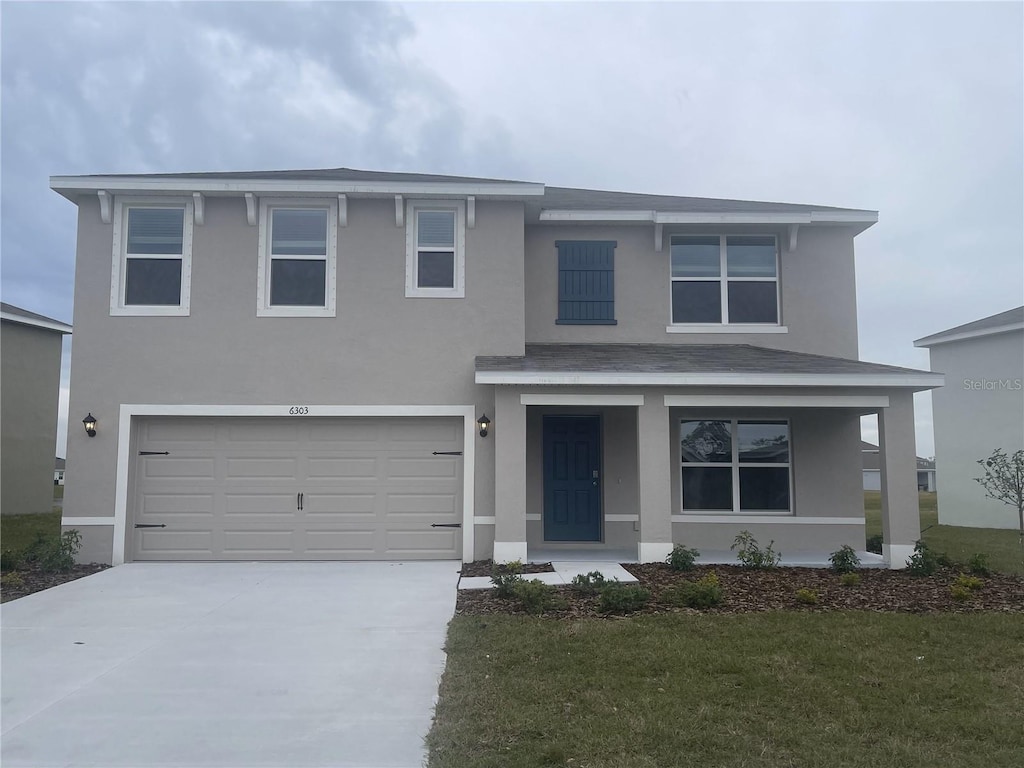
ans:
(563, 574)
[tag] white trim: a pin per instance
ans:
(941, 338)
(897, 555)
(72, 521)
(120, 255)
(198, 210)
(558, 399)
(342, 211)
(777, 401)
(768, 519)
(653, 552)
(265, 258)
(399, 210)
(412, 250)
(471, 212)
(250, 208)
(507, 551)
(622, 518)
(792, 232)
(710, 217)
(534, 517)
(720, 328)
(659, 238)
(129, 411)
(723, 379)
(485, 520)
(106, 201)
(228, 186)
(615, 216)
(52, 325)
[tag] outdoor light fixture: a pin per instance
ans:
(483, 422)
(90, 425)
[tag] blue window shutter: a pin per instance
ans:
(586, 282)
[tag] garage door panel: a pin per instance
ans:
(422, 432)
(265, 469)
(266, 503)
(259, 432)
(181, 468)
(259, 543)
(358, 544)
(358, 432)
(432, 543)
(177, 503)
(403, 467)
(180, 431)
(338, 467)
(175, 544)
(340, 505)
(430, 504)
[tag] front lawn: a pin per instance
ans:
(753, 690)
(19, 532)
(1002, 546)
(23, 540)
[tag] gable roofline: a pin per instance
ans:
(825, 216)
(1001, 322)
(14, 314)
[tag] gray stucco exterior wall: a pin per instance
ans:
(30, 366)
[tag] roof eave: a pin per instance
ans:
(945, 337)
(912, 380)
(49, 325)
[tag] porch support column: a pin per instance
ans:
(901, 519)
(509, 428)
(654, 465)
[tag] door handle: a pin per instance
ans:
(595, 476)
(298, 501)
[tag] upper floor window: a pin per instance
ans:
(725, 280)
(586, 282)
(297, 258)
(435, 260)
(152, 261)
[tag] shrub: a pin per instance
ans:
(751, 555)
(620, 598)
(923, 562)
(55, 555)
(807, 596)
(535, 596)
(968, 582)
(12, 579)
(874, 544)
(960, 593)
(849, 579)
(978, 564)
(844, 559)
(706, 592)
(506, 578)
(682, 558)
(590, 583)
(11, 560)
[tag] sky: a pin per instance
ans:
(912, 109)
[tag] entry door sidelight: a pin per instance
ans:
(572, 478)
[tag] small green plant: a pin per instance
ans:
(11, 560)
(849, 579)
(978, 564)
(705, 592)
(505, 578)
(960, 593)
(682, 558)
(751, 555)
(807, 596)
(590, 583)
(923, 562)
(622, 598)
(55, 555)
(972, 583)
(844, 559)
(874, 544)
(535, 596)
(11, 580)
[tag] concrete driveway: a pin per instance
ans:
(227, 664)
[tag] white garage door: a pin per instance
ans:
(297, 489)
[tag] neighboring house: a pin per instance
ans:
(30, 349)
(343, 364)
(981, 409)
(58, 471)
(870, 459)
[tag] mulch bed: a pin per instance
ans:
(484, 567)
(35, 580)
(749, 591)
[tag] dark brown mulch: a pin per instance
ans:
(35, 580)
(484, 567)
(748, 591)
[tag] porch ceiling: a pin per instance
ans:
(691, 364)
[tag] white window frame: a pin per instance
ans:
(119, 260)
(414, 207)
(735, 465)
(265, 259)
(723, 279)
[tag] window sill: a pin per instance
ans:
(434, 293)
(586, 322)
(718, 328)
(295, 312)
(150, 311)
(754, 518)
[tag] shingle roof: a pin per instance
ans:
(17, 314)
(313, 174)
(1011, 319)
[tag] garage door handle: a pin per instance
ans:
(446, 525)
(447, 453)
(149, 525)
(298, 501)
(154, 453)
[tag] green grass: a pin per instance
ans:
(1002, 546)
(750, 691)
(17, 532)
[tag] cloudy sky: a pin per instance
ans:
(913, 109)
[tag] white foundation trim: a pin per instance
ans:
(507, 551)
(767, 520)
(896, 555)
(777, 401)
(75, 521)
(581, 399)
(129, 411)
(653, 552)
(484, 520)
(534, 516)
(626, 378)
(622, 518)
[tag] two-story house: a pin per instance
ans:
(342, 364)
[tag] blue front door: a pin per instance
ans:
(572, 481)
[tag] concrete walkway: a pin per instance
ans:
(227, 664)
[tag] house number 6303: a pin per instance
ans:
(299, 410)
